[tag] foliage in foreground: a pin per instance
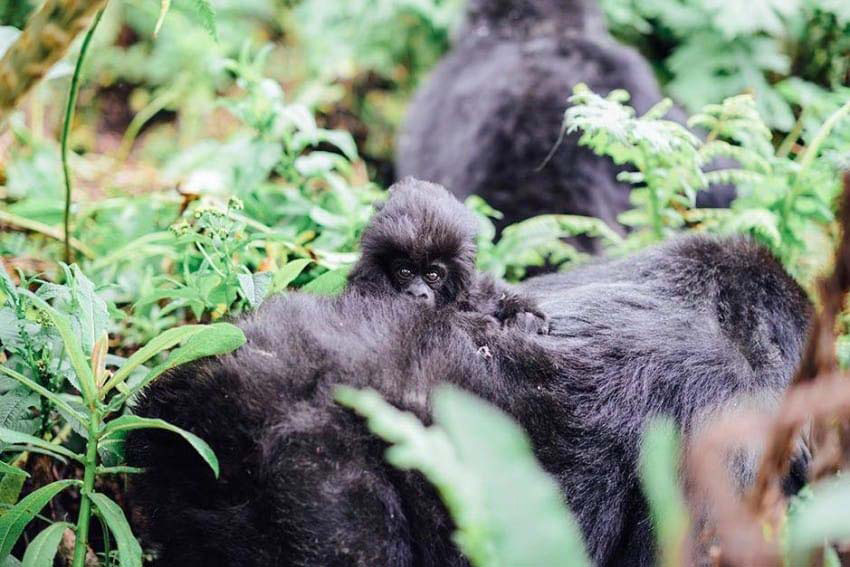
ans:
(254, 193)
(92, 404)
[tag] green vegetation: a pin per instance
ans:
(210, 153)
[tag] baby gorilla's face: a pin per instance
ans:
(422, 282)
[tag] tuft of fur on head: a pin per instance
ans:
(575, 14)
(423, 222)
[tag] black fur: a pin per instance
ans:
(490, 113)
(683, 330)
(420, 226)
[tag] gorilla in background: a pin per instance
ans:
(421, 243)
(681, 330)
(485, 120)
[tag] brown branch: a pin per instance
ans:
(818, 361)
(46, 38)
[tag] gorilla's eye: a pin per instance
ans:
(404, 272)
(434, 274)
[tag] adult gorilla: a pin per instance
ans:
(485, 120)
(680, 330)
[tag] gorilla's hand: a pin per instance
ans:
(529, 322)
(519, 312)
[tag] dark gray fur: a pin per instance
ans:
(489, 114)
(681, 330)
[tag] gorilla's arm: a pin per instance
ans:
(511, 307)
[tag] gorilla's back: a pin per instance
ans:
(490, 113)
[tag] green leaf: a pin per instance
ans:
(42, 550)
(55, 398)
(14, 405)
(211, 340)
(90, 310)
(659, 465)
(207, 14)
(130, 422)
(288, 273)
(6, 468)
(161, 342)
(11, 561)
(529, 525)
(255, 287)
(72, 347)
(14, 520)
(507, 510)
(329, 283)
(10, 489)
(129, 550)
(18, 438)
(825, 517)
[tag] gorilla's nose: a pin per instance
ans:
(417, 294)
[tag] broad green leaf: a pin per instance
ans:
(507, 510)
(329, 283)
(10, 489)
(18, 438)
(13, 521)
(659, 465)
(72, 347)
(129, 550)
(214, 339)
(288, 273)
(11, 561)
(41, 551)
(531, 525)
(6, 468)
(161, 342)
(130, 422)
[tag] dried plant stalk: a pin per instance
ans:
(46, 38)
(818, 361)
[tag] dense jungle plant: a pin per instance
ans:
(92, 404)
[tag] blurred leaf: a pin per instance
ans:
(825, 517)
(329, 283)
(163, 10)
(507, 510)
(288, 273)
(659, 467)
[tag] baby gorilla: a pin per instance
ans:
(421, 244)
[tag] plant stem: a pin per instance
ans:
(788, 143)
(66, 128)
(655, 212)
(84, 518)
